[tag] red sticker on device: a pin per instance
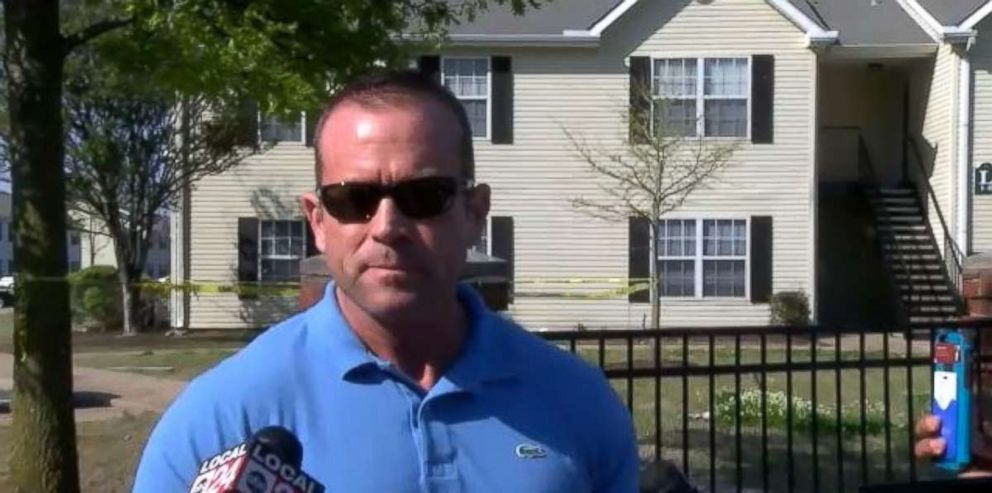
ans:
(945, 354)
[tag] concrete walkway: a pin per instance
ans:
(128, 392)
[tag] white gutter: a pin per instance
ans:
(933, 28)
(964, 156)
(611, 17)
(977, 17)
(566, 38)
(815, 35)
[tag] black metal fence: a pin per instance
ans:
(777, 408)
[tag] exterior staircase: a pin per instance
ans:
(911, 255)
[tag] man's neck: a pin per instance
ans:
(422, 349)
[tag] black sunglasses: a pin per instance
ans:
(419, 198)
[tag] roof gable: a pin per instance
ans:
(951, 12)
(865, 22)
(587, 19)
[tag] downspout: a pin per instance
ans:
(964, 154)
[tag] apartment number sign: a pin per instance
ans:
(983, 179)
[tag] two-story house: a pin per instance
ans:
(862, 129)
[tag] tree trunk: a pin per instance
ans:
(130, 299)
(43, 448)
(653, 275)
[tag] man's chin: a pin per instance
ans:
(392, 299)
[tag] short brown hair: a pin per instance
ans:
(383, 89)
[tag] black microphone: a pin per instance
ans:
(269, 462)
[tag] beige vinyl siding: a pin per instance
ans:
(586, 91)
(535, 179)
(940, 136)
(264, 186)
(981, 66)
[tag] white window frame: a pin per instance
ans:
(489, 91)
(701, 97)
(699, 258)
(260, 118)
(680, 258)
(261, 254)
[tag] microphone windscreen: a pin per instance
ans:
(283, 443)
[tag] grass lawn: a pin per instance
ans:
(691, 397)
(6, 329)
(108, 452)
(181, 364)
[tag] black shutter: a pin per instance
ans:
(311, 242)
(762, 99)
(761, 259)
(639, 259)
(247, 128)
(430, 65)
(502, 104)
(501, 239)
(247, 253)
(640, 99)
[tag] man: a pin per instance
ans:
(400, 380)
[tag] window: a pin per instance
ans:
(3, 225)
(74, 238)
(703, 258)
(277, 129)
(724, 257)
(677, 258)
(282, 245)
(468, 79)
(702, 96)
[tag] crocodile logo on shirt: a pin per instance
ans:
(530, 451)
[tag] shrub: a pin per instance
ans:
(95, 298)
(790, 308)
(803, 414)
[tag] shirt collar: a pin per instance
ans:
(485, 357)
(341, 349)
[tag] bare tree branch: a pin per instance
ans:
(92, 31)
(652, 174)
(125, 163)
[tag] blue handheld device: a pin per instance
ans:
(952, 398)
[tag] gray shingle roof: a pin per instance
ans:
(865, 22)
(951, 12)
(552, 18)
(860, 22)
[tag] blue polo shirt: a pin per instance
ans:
(511, 414)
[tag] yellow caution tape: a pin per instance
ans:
(627, 287)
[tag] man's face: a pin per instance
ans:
(394, 266)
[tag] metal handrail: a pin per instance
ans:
(953, 257)
(865, 167)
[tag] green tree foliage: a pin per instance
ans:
(95, 298)
(285, 54)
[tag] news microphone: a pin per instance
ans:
(269, 462)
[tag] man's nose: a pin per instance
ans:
(389, 224)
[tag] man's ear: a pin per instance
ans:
(478, 210)
(313, 211)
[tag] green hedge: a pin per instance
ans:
(95, 298)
